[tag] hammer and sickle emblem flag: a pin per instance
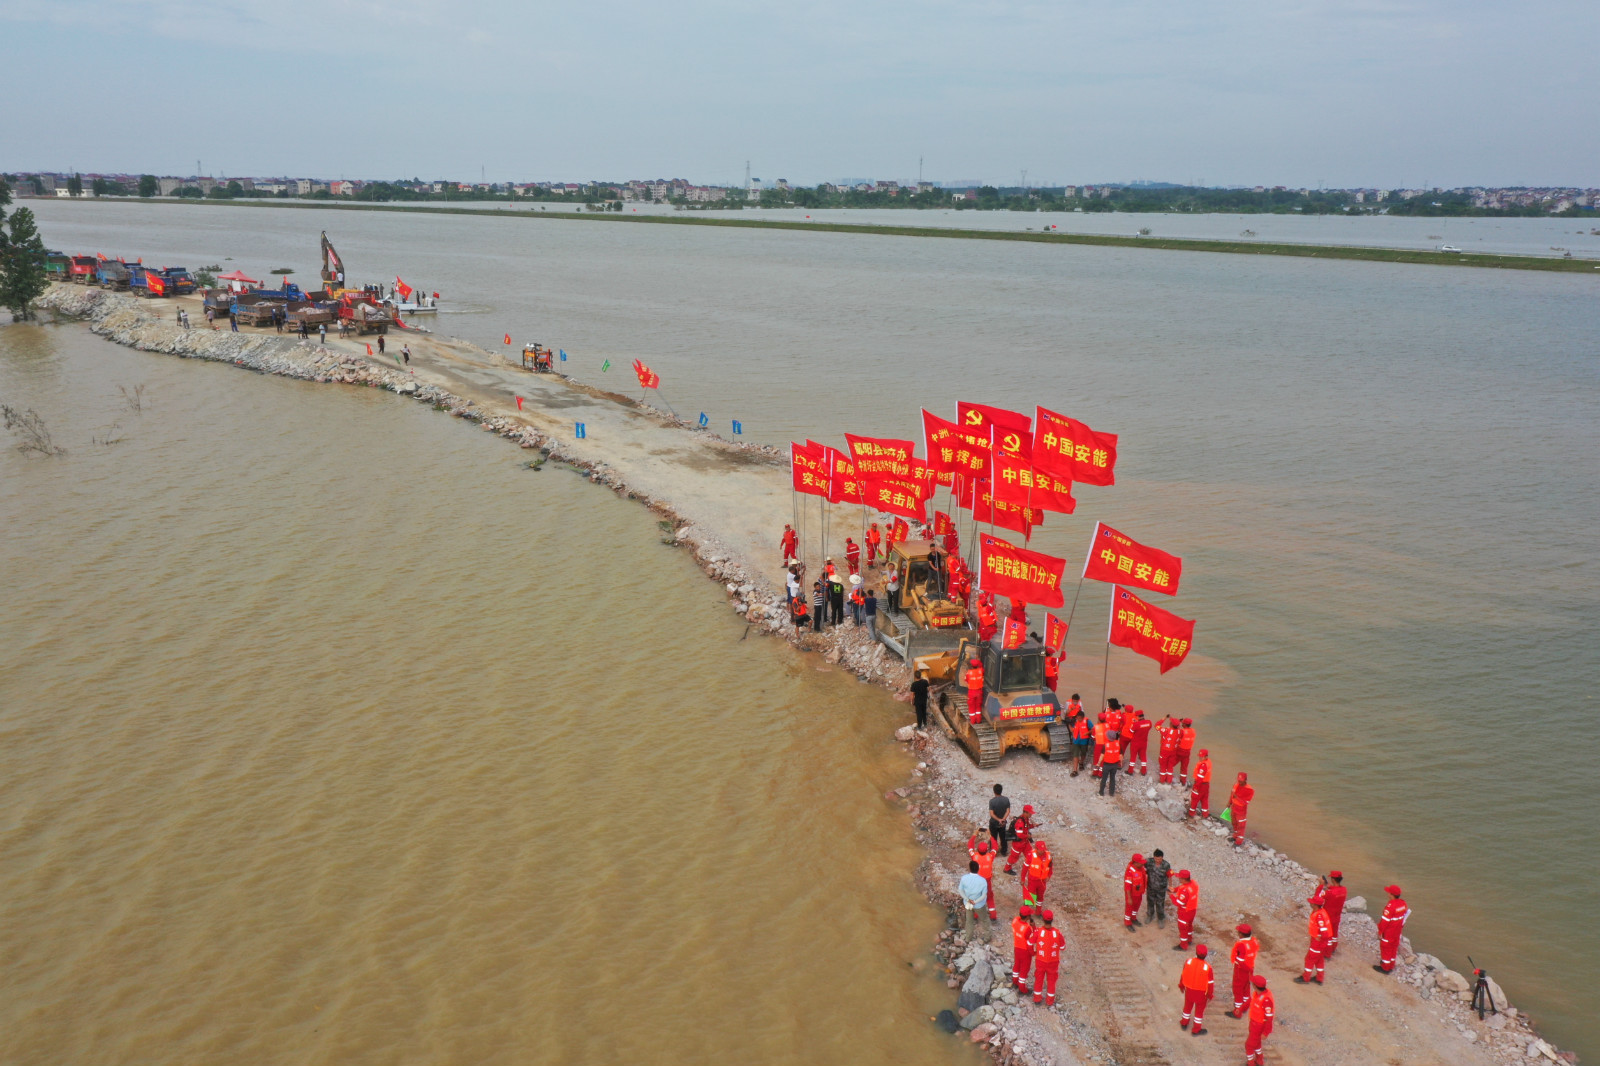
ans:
(1013, 431)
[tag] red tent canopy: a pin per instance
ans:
(238, 275)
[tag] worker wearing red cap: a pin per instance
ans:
(982, 853)
(1319, 930)
(1239, 806)
(1052, 670)
(1243, 957)
(1185, 902)
(1261, 1011)
(790, 543)
(1180, 763)
(852, 555)
(1199, 984)
(988, 621)
(974, 679)
(874, 538)
(1021, 833)
(1139, 743)
(1390, 925)
(1167, 753)
(1039, 868)
(1047, 944)
(1200, 796)
(1335, 895)
(1133, 886)
(1022, 933)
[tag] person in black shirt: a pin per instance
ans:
(919, 698)
(999, 806)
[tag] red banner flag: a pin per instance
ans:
(403, 289)
(1013, 431)
(1016, 635)
(369, 349)
(843, 484)
(1015, 481)
(1029, 576)
(809, 469)
(1120, 560)
(1055, 633)
(952, 450)
(648, 379)
(508, 338)
(1149, 630)
(880, 457)
(942, 524)
(519, 403)
(899, 533)
(977, 498)
(895, 497)
(1068, 448)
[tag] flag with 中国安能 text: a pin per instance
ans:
(1118, 559)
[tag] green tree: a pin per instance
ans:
(235, 189)
(22, 274)
(148, 185)
(75, 185)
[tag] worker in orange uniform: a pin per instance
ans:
(1081, 734)
(1319, 929)
(1245, 950)
(1239, 806)
(1180, 763)
(1113, 716)
(874, 539)
(1333, 903)
(1022, 933)
(790, 543)
(852, 555)
(988, 622)
(974, 679)
(1138, 732)
(1390, 925)
(1199, 984)
(1047, 944)
(1110, 763)
(1185, 902)
(1200, 797)
(1039, 868)
(1167, 753)
(1052, 670)
(1261, 1011)
(982, 853)
(1021, 832)
(1133, 885)
(1100, 731)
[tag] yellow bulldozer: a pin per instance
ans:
(925, 620)
(1019, 710)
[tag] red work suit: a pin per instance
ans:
(791, 545)
(1022, 934)
(1047, 960)
(1139, 746)
(985, 863)
(852, 556)
(1239, 804)
(1319, 929)
(1334, 905)
(1244, 968)
(1021, 842)
(1185, 901)
(974, 680)
(1199, 984)
(1261, 1011)
(1099, 745)
(1390, 925)
(1168, 754)
(987, 622)
(1052, 672)
(874, 538)
(1180, 762)
(1133, 886)
(1200, 797)
(1040, 867)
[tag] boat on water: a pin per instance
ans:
(426, 306)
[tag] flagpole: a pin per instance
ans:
(1106, 671)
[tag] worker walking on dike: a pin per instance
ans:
(1239, 806)
(1185, 902)
(1047, 944)
(974, 899)
(999, 807)
(1245, 950)
(1199, 984)
(1022, 933)
(1020, 836)
(874, 538)
(790, 543)
(1138, 732)
(1110, 763)
(852, 555)
(1158, 874)
(1185, 746)
(1200, 797)
(1334, 896)
(1040, 867)
(1319, 930)
(974, 679)
(858, 600)
(1261, 1011)
(1133, 886)
(1390, 925)
(982, 852)
(1167, 752)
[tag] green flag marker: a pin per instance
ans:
(605, 366)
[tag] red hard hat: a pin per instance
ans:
(1184, 874)
(1200, 951)
(1243, 928)
(1048, 915)
(1026, 911)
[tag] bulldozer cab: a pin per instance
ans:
(1013, 682)
(922, 591)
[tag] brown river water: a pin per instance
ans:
(1382, 479)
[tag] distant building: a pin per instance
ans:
(168, 186)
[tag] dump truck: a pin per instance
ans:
(175, 281)
(926, 620)
(251, 310)
(112, 274)
(313, 315)
(81, 270)
(362, 311)
(57, 266)
(1019, 710)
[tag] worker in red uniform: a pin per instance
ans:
(852, 555)
(1335, 894)
(1261, 1010)
(1200, 797)
(1052, 670)
(1167, 753)
(1185, 902)
(1245, 950)
(1039, 868)
(1239, 806)
(1047, 943)
(980, 852)
(1113, 717)
(1180, 765)
(1021, 833)
(974, 679)
(1100, 732)
(1133, 885)
(1199, 984)
(988, 622)
(1139, 743)
(1390, 925)
(874, 539)
(790, 543)
(1022, 933)
(1318, 929)
(1019, 613)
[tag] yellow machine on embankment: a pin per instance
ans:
(926, 620)
(1019, 709)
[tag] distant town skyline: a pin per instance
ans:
(1347, 94)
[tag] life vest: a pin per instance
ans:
(974, 678)
(1133, 878)
(1112, 752)
(985, 861)
(1114, 720)
(1186, 897)
(1022, 933)
(1244, 952)
(1185, 738)
(1052, 669)
(1039, 864)
(1261, 1007)
(1202, 772)
(1047, 945)
(1319, 927)
(1196, 976)
(1080, 728)
(1100, 733)
(1074, 707)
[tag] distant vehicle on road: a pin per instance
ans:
(1448, 248)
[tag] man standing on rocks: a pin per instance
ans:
(999, 807)
(1040, 867)
(1390, 925)
(1022, 934)
(1334, 896)
(1110, 763)
(919, 698)
(1199, 984)
(1047, 943)
(852, 556)
(1081, 736)
(975, 901)
(1200, 798)
(874, 538)
(1185, 902)
(790, 543)
(982, 852)
(1185, 746)
(1261, 1011)
(1245, 950)
(974, 679)
(1133, 885)
(819, 606)
(1019, 835)
(1138, 731)
(1318, 929)
(1239, 806)
(1167, 753)
(836, 599)
(1157, 873)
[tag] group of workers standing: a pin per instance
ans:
(838, 594)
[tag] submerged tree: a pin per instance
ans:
(22, 254)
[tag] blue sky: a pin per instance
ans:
(1375, 92)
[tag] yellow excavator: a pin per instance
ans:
(1019, 709)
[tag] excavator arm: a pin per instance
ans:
(332, 265)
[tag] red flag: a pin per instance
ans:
(369, 349)
(519, 403)
(942, 524)
(1015, 481)
(1016, 634)
(508, 338)
(1149, 630)
(648, 379)
(899, 533)
(843, 485)
(895, 497)
(952, 450)
(1120, 560)
(403, 289)
(880, 457)
(1055, 633)
(808, 469)
(1029, 576)
(1013, 431)
(1068, 448)
(976, 498)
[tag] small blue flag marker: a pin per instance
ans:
(738, 428)
(582, 430)
(563, 355)
(704, 421)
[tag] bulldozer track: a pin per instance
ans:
(988, 752)
(1060, 742)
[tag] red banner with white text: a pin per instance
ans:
(843, 484)
(1149, 630)
(895, 497)
(1055, 633)
(1118, 559)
